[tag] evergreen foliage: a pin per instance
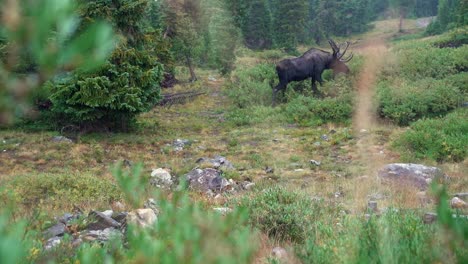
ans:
(290, 19)
(451, 14)
(128, 84)
(257, 30)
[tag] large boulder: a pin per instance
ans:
(161, 178)
(142, 217)
(207, 180)
(419, 176)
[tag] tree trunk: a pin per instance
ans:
(193, 76)
(402, 16)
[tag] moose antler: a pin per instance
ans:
(348, 59)
(335, 48)
(346, 49)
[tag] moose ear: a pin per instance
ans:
(334, 47)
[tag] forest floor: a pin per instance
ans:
(349, 155)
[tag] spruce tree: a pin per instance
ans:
(128, 84)
(290, 20)
(257, 29)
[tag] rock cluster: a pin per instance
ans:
(419, 176)
(99, 226)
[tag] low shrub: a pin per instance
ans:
(395, 237)
(454, 38)
(419, 60)
(253, 115)
(443, 139)
(42, 190)
(407, 101)
(252, 86)
(336, 106)
(284, 214)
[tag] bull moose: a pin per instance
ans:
(311, 65)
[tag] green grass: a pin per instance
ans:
(442, 139)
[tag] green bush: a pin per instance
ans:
(337, 106)
(128, 84)
(395, 237)
(284, 214)
(409, 101)
(444, 139)
(419, 60)
(252, 86)
(453, 39)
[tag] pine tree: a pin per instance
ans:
(222, 35)
(290, 20)
(182, 20)
(128, 84)
(257, 29)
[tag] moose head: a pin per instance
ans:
(337, 64)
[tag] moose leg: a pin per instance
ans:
(314, 86)
(280, 86)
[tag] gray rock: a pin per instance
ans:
(429, 218)
(58, 229)
(460, 195)
(317, 144)
(101, 235)
(161, 178)
(62, 139)
(315, 162)
(218, 162)
(207, 180)
(66, 218)
(180, 144)
(279, 253)
(372, 206)
(324, 137)
(457, 203)
(417, 175)
(223, 210)
(108, 213)
(52, 242)
(101, 221)
(142, 217)
(151, 204)
(120, 217)
(269, 170)
(249, 185)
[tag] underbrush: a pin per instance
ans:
(185, 232)
(285, 215)
(443, 139)
(323, 232)
(60, 191)
(407, 101)
(428, 79)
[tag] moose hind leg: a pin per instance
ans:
(313, 84)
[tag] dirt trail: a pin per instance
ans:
(374, 50)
